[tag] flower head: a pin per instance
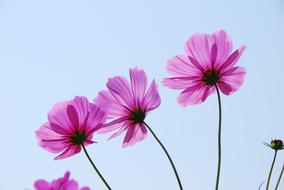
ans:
(127, 104)
(63, 183)
(208, 63)
(70, 124)
(275, 144)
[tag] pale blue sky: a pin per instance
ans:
(53, 50)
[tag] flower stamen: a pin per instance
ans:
(211, 77)
(137, 116)
(79, 138)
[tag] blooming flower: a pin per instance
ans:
(208, 63)
(70, 124)
(127, 105)
(63, 183)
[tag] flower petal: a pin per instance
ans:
(152, 98)
(129, 134)
(232, 59)
(113, 125)
(180, 66)
(224, 46)
(232, 80)
(85, 188)
(73, 116)
(41, 185)
(58, 115)
(137, 133)
(194, 95)
(78, 110)
(181, 82)
(120, 88)
(58, 129)
(61, 183)
(213, 54)
(124, 126)
(139, 82)
(198, 47)
(95, 120)
(69, 151)
(72, 185)
(50, 140)
(110, 105)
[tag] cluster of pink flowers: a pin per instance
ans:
(209, 65)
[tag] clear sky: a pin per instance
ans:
(53, 50)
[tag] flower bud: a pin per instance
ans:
(275, 144)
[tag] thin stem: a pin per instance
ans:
(168, 155)
(96, 169)
(271, 169)
(279, 179)
(219, 139)
(261, 185)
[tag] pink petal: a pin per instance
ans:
(61, 183)
(224, 46)
(139, 82)
(123, 127)
(53, 146)
(180, 66)
(120, 88)
(72, 185)
(85, 188)
(232, 59)
(232, 80)
(51, 141)
(95, 120)
(46, 132)
(194, 95)
(129, 134)
(58, 129)
(78, 111)
(213, 54)
(41, 185)
(69, 151)
(197, 64)
(152, 98)
(138, 133)
(113, 125)
(58, 115)
(225, 88)
(198, 48)
(181, 82)
(73, 116)
(109, 104)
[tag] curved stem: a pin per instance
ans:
(279, 179)
(261, 185)
(271, 169)
(219, 139)
(168, 155)
(96, 169)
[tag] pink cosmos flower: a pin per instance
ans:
(127, 104)
(70, 124)
(208, 63)
(63, 183)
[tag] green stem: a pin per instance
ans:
(271, 169)
(279, 179)
(219, 139)
(168, 155)
(96, 169)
